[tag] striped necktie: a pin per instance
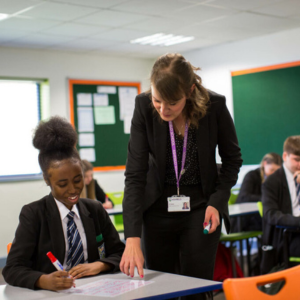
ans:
(297, 191)
(75, 253)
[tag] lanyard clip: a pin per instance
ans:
(178, 191)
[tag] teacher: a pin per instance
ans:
(175, 130)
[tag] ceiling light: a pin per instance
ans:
(161, 39)
(3, 16)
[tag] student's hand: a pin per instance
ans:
(132, 257)
(94, 268)
(107, 204)
(211, 214)
(297, 175)
(55, 281)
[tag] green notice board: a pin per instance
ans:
(266, 109)
(101, 112)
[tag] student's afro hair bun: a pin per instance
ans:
(57, 134)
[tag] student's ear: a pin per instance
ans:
(46, 180)
(284, 156)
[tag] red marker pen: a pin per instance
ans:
(56, 263)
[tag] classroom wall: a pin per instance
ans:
(57, 67)
(217, 62)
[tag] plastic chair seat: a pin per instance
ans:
(247, 288)
(117, 198)
(237, 236)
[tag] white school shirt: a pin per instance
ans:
(63, 210)
(293, 193)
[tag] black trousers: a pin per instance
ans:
(176, 244)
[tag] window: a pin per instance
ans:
(20, 112)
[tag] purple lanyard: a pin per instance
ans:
(174, 154)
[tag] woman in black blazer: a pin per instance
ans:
(45, 224)
(174, 241)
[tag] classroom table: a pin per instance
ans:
(241, 209)
(165, 286)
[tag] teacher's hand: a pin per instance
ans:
(132, 257)
(212, 214)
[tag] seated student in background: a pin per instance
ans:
(92, 189)
(47, 224)
(251, 188)
(281, 206)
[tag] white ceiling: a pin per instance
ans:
(107, 26)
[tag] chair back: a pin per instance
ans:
(247, 288)
(8, 247)
(233, 196)
(260, 208)
(117, 198)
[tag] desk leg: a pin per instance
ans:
(285, 248)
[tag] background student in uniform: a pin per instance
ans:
(250, 190)
(92, 189)
(281, 206)
(177, 107)
(47, 224)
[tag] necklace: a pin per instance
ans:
(179, 129)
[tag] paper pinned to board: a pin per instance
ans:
(85, 119)
(108, 287)
(107, 89)
(84, 99)
(86, 139)
(105, 115)
(88, 154)
(101, 100)
(126, 101)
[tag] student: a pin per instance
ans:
(281, 206)
(92, 189)
(251, 189)
(180, 109)
(46, 225)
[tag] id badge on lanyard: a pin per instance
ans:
(178, 202)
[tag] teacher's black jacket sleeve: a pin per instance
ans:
(40, 231)
(146, 160)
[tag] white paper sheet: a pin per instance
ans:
(108, 287)
(127, 124)
(107, 89)
(84, 99)
(86, 140)
(126, 101)
(100, 100)
(105, 115)
(85, 119)
(88, 154)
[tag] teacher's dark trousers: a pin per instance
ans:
(175, 242)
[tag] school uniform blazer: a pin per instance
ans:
(250, 191)
(146, 160)
(277, 210)
(40, 231)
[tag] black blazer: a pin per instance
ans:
(250, 191)
(277, 210)
(146, 160)
(40, 230)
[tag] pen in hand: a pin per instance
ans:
(207, 228)
(56, 263)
